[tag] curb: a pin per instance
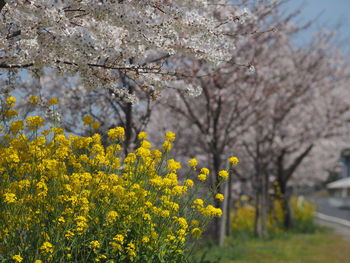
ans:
(333, 219)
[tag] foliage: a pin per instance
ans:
(243, 217)
(303, 213)
(68, 198)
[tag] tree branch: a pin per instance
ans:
(290, 170)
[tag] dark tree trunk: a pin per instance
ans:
(287, 213)
(128, 127)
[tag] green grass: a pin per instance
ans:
(288, 248)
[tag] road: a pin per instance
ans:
(325, 208)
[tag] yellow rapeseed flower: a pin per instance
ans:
(189, 182)
(170, 136)
(234, 160)
(46, 248)
(10, 198)
(196, 232)
(116, 133)
(223, 174)
(167, 146)
(17, 258)
(220, 197)
(33, 100)
(11, 101)
(142, 135)
(173, 165)
(202, 177)
(87, 120)
(95, 125)
(205, 171)
(34, 122)
(193, 163)
(53, 101)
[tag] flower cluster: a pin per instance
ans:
(65, 197)
(95, 38)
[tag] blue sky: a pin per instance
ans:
(332, 12)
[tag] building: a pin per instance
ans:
(340, 189)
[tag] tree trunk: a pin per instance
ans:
(264, 204)
(287, 213)
(128, 127)
(257, 219)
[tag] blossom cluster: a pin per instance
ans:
(67, 198)
(96, 38)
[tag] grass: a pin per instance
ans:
(323, 247)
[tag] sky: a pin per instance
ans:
(331, 13)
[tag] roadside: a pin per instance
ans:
(337, 218)
(339, 229)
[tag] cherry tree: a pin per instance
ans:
(104, 42)
(111, 59)
(273, 117)
(303, 108)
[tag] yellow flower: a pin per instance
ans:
(34, 122)
(11, 113)
(211, 211)
(10, 198)
(195, 222)
(142, 136)
(173, 165)
(193, 163)
(205, 171)
(202, 177)
(199, 202)
(119, 238)
(146, 144)
(220, 197)
(87, 120)
(95, 125)
(196, 232)
(167, 146)
(112, 216)
(145, 239)
(189, 182)
(234, 160)
(33, 100)
(53, 101)
(16, 126)
(38, 261)
(46, 248)
(11, 101)
(57, 130)
(17, 258)
(170, 136)
(116, 133)
(95, 244)
(223, 174)
(182, 222)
